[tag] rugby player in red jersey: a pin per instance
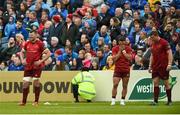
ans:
(160, 65)
(122, 56)
(31, 57)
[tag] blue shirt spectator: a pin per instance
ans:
(102, 33)
(9, 26)
(19, 29)
(58, 10)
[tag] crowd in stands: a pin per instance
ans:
(83, 32)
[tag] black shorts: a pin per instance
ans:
(162, 74)
(121, 74)
(33, 73)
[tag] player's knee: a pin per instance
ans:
(27, 79)
(36, 82)
(125, 86)
(25, 85)
(167, 86)
(115, 85)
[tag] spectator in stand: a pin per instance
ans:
(89, 27)
(138, 4)
(6, 14)
(173, 13)
(127, 5)
(87, 60)
(96, 4)
(177, 56)
(11, 25)
(35, 26)
(119, 13)
(44, 19)
(127, 20)
(46, 32)
(67, 57)
(107, 50)
(54, 45)
(103, 33)
(114, 43)
(104, 17)
(149, 24)
(102, 59)
(136, 36)
(9, 49)
(95, 65)
(3, 66)
(59, 10)
(20, 40)
(16, 65)
(1, 29)
(19, 29)
(55, 29)
(42, 5)
(88, 49)
(178, 26)
(109, 64)
(100, 43)
(69, 31)
(168, 32)
(145, 12)
(32, 18)
(112, 4)
(161, 13)
(138, 60)
(21, 12)
(83, 40)
(114, 28)
(79, 60)
(174, 41)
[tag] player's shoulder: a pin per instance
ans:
(115, 47)
(39, 42)
(163, 41)
(127, 47)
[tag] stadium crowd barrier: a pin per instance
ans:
(56, 86)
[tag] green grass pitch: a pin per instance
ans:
(89, 108)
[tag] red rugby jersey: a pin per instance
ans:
(122, 64)
(159, 52)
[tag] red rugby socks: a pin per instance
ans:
(168, 92)
(25, 94)
(156, 94)
(37, 93)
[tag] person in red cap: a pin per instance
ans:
(69, 31)
(55, 28)
(56, 18)
(70, 16)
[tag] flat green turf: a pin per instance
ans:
(89, 108)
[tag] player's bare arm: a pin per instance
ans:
(170, 59)
(22, 56)
(127, 55)
(116, 56)
(48, 54)
(150, 64)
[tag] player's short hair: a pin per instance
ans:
(121, 38)
(154, 33)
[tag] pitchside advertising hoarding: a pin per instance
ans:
(56, 86)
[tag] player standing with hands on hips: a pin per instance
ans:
(160, 65)
(122, 56)
(31, 57)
